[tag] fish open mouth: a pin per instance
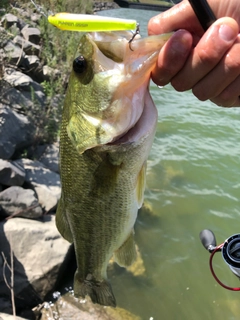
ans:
(136, 111)
(114, 103)
(143, 127)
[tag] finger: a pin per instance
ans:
(207, 54)
(221, 77)
(172, 57)
(229, 97)
(180, 16)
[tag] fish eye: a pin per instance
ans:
(79, 64)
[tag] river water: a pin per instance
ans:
(192, 183)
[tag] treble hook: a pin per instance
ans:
(134, 35)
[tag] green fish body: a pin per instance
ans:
(108, 125)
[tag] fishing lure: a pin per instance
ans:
(90, 23)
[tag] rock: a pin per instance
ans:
(5, 303)
(36, 17)
(20, 80)
(99, 6)
(21, 202)
(31, 89)
(50, 157)
(47, 198)
(31, 34)
(8, 20)
(27, 46)
(50, 73)
(38, 252)
(67, 307)
(38, 99)
(45, 182)
(11, 174)
(5, 316)
(13, 53)
(18, 100)
(33, 62)
(36, 152)
(16, 132)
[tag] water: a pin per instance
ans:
(192, 184)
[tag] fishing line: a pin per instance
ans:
(40, 10)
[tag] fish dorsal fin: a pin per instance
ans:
(141, 182)
(127, 253)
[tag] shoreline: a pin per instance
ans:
(99, 6)
(142, 6)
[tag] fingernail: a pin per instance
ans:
(226, 33)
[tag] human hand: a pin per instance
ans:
(208, 63)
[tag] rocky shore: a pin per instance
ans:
(33, 255)
(31, 249)
(99, 6)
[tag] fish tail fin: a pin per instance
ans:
(99, 291)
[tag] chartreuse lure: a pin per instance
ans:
(89, 23)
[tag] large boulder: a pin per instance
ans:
(9, 20)
(68, 307)
(16, 132)
(19, 101)
(38, 252)
(31, 89)
(21, 202)
(50, 157)
(13, 53)
(5, 316)
(11, 174)
(27, 46)
(31, 34)
(20, 80)
(45, 182)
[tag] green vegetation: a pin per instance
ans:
(57, 51)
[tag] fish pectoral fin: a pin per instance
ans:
(62, 223)
(99, 291)
(141, 182)
(127, 253)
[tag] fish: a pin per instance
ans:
(107, 130)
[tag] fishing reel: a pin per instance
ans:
(230, 253)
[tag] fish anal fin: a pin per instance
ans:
(141, 182)
(62, 222)
(99, 291)
(126, 254)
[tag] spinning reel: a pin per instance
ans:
(230, 253)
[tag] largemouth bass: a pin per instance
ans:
(108, 125)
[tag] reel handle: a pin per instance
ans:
(208, 240)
